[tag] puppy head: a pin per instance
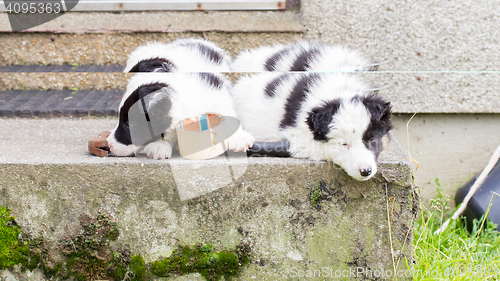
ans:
(352, 133)
(143, 116)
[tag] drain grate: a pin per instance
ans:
(57, 103)
(61, 68)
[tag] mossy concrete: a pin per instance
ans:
(267, 208)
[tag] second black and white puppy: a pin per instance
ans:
(154, 103)
(302, 56)
(183, 55)
(323, 116)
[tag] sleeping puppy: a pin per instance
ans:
(184, 55)
(327, 116)
(301, 56)
(154, 103)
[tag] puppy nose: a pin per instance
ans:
(365, 172)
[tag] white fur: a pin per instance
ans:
(190, 97)
(328, 58)
(184, 58)
(261, 115)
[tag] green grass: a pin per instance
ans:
(454, 254)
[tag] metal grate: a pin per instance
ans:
(171, 5)
(55, 103)
(61, 68)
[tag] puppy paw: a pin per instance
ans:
(158, 150)
(240, 141)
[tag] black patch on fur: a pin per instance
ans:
(153, 65)
(296, 98)
(380, 122)
(273, 60)
(122, 132)
(303, 61)
(271, 86)
(212, 54)
(212, 79)
(321, 117)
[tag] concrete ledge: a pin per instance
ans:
(101, 22)
(49, 180)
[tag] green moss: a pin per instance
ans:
(12, 249)
(84, 266)
(138, 268)
(202, 259)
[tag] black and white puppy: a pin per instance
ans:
(184, 55)
(302, 56)
(324, 116)
(166, 99)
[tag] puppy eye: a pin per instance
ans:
(344, 145)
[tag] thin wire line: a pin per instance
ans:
(408, 72)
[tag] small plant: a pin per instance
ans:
(316, 195)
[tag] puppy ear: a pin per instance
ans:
(378, 107)
(153, 65)
(380, 111)
(319, 119)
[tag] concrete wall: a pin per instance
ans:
(450, 148)
(451, 35)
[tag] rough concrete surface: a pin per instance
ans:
(235, 21)
(49, 180)
(439, 92)
(114, 48)
(449, 35)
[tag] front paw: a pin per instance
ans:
(158, 150)
(240, 141)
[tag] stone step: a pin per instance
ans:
(44, 81)
(290, 214)
(169, 21)
(113, 48)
